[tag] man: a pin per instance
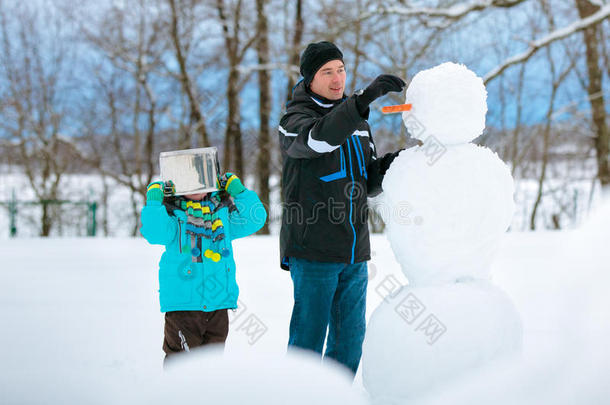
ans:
(330, 166)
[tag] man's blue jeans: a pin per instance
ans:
(329, 293)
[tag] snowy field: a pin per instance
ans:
(81, 322)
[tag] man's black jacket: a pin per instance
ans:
(329, 168)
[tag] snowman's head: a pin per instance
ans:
(449, 102)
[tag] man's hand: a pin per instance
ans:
(231, 183)
(382, 85)
(387, 160)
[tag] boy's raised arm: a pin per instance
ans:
(158, 228)
(250, 215)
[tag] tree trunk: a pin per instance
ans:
(136, 214)
(196, 116)
(357, 52)
(105, 193)
(545, 159)
(234, 153)
(45, 219)
(596, 96)
(293, 60)
(516, 156)
(556, 82)
(296, 44)
(228, 147)
(264, 143)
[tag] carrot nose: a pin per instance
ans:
(392, 109)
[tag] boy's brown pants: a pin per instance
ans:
(185, 330)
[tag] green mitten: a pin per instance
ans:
(231, 183)
(154, 193)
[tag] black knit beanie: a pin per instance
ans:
(315, 56)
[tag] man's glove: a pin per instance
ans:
(157, 190)
(231, 183)
(386, 161)
(382, 85)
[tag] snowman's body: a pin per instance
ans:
(450, 319)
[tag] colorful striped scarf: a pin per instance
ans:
(203, 222)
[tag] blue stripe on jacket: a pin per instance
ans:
(364, 171)
(350, 201)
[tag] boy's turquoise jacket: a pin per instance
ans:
(185, 285)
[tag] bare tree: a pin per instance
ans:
(237, 42)
(264, 105)
(35, 64)
(295, 45)
(439, 17)
(585, 23)
(556, 81)
(197, 119)
(129, 42)
(587, 9)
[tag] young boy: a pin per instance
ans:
(197, 271)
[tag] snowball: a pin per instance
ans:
(423, 338)
(449, 104)
(446, 219)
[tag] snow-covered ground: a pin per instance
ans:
(81, 321)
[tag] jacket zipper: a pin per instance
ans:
(180, 235)
(351, 199)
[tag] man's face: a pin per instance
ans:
(329, 81)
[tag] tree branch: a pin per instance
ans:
(454, 12)
(288, 68)
(535, 46)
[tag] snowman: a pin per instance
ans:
(450, 319)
